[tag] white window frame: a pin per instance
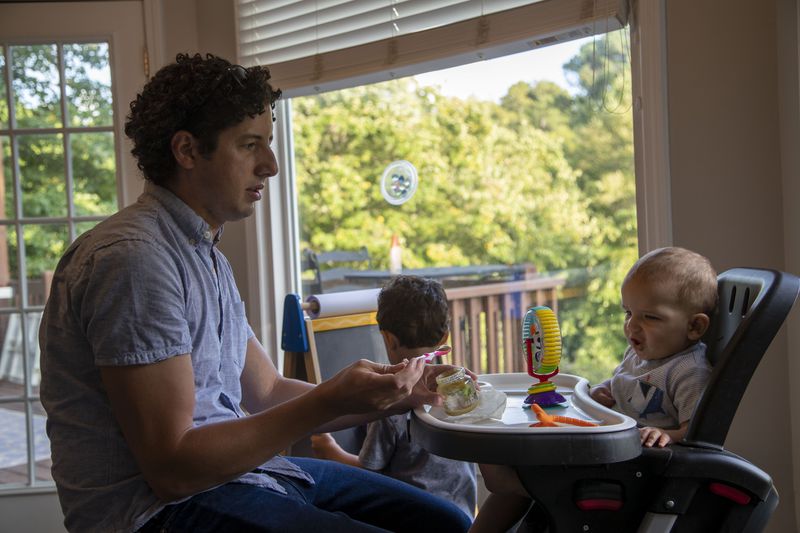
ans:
(278, 228)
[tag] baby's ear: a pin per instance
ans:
(698, 324)
(390, 340)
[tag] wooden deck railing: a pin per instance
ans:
(485, 321)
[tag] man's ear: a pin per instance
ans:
(184, 148)
(698, 325)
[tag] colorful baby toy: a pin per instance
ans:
(541, 344)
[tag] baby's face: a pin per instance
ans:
(656, 326)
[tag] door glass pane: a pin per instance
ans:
(41, 444)
(3, 90)
(44, 246)
(9, 268)
(13, 443)
(35, 81)
(94, 173)
(88, 84)
(41, 167)
(82, 227)
(7, 179)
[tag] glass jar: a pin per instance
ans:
(458, 390)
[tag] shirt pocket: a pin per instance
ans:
(234, 339)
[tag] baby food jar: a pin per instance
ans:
(458, 390)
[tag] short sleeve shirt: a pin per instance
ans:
(146, 284)
(661, 393)
(388, 449)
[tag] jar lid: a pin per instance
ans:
(454, 376)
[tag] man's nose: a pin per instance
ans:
(268, 165)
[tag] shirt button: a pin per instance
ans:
(207, 235)
(192, 242)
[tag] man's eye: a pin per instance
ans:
(652, 317)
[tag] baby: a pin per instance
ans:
(669, 296)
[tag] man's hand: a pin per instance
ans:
(602, 395)
(424, 392)
(367, 386)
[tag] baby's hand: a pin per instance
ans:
(654, 437)
(602, 395)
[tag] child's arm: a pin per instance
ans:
(602, 394)
(659, 438)
(326, 447)
(499, 512)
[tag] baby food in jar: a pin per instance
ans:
(458, 390)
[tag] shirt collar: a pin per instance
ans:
(188, 221)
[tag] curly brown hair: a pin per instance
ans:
(415, 310)
(202, 95)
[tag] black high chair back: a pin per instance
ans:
(695, 485)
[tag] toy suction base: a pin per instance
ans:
(545, 399)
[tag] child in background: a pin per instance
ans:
(669, 297)
(413, 319)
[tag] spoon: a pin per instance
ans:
(441, 351)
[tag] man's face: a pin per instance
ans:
(226, 184)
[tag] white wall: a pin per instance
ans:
(733, 125)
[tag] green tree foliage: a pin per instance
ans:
(544, 177)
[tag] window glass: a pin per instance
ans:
(46, 167)
(3, 90)
(7, 179)
(9, 268)
(42, 175)
(35, 81)
(44, 246)
(532, 180)
(88, 84)
(94, 173)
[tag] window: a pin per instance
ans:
(513, 30)
(534, 184)
(59, 178)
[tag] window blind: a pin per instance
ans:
(320, 45)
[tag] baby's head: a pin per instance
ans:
(668, 296)
(412, 316)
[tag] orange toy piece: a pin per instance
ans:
(546, 420)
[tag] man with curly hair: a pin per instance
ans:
(165, 413)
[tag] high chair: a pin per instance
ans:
(691, 486)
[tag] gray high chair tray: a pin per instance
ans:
(511, 440)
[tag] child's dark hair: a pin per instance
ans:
(415, 310)
(202, 95)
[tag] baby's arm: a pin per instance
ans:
(659, 438)
(602, 394)
(326, 447)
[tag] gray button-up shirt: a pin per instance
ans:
(144, 285)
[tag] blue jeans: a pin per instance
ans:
(343, 499)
